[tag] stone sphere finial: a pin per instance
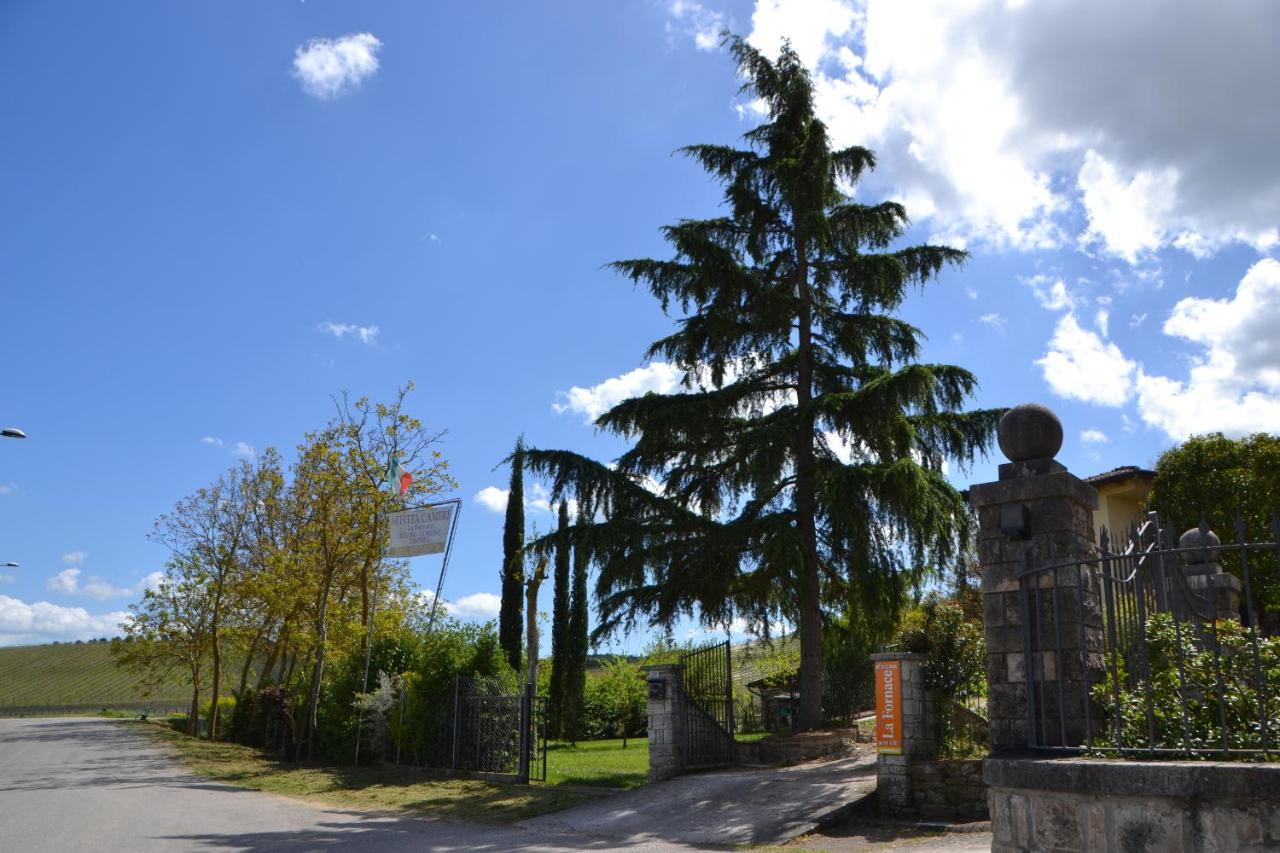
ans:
(1030, 431)
(1191, 546)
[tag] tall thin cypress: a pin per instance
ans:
(801, 467)
(577, 643)
(511, 612)
(560, 662)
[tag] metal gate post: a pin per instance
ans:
(526, 731)
(457, 723)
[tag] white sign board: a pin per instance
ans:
(420, 531)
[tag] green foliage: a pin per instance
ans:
(1190, 712)
(1218, 476)
(955, 644)
(955, 672)
(510, 614)
(801, 466)
(615, 702)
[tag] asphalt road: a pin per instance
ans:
(71, 784)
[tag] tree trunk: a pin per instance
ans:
(193, 719)
(313, 696)
(810, 603)
(217, 683)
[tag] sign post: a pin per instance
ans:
(889, 707)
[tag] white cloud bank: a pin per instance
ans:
(1233, 382)
(990, 127)
(41, 622)
(476, 607)
(331, 68)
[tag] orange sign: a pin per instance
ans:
(889, 707)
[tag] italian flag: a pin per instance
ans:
(398, 474)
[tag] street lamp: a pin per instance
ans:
(12, 432)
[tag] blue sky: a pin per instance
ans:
(213, 216)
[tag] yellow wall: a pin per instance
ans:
(1120, 504)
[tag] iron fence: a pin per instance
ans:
(1154, 649)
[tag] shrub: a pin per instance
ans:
(1191, 712)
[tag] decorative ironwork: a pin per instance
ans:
(1152, 649)
(708, 688)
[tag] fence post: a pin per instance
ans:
(667, 721)
(1036, 513)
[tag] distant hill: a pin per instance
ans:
(76, 677)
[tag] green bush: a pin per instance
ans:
(1191, 712)
(956, 669)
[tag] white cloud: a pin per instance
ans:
(993, 131)
(367, 335)
(1051, 292)
(331, 68)
(75, 557)
(1080, 365)
(993, 320)
(152, 582)
(493, 499)
(478, 605)
(697, 21)
(1234, 383)
(212, 441)
(42, 622)
(7, 578)
(245, 450)
(536, 497)
(971, 293)
(67, 582)
(659, 378)
(1093, 436)
(1137, 320)
(7, 489)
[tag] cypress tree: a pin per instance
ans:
(511, 611)
(577, 642)
(800, 470)
(560, 663)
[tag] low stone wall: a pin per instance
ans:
(944, 790)
(828, 743)
(1083, 805)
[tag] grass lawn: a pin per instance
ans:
(598, 762)
(389, 788)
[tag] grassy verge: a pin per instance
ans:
(599, 762)
(409, 789)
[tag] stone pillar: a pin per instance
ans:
(1036, 506)
(893, 771)
(1215, 594)
(666, 721)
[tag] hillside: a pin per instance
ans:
(73, 676)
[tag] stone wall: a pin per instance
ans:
(942, 790)
(1088, 805)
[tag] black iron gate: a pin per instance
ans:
(497, 730)
(708, 688)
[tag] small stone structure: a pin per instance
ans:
(915, 783)
(666, 721)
